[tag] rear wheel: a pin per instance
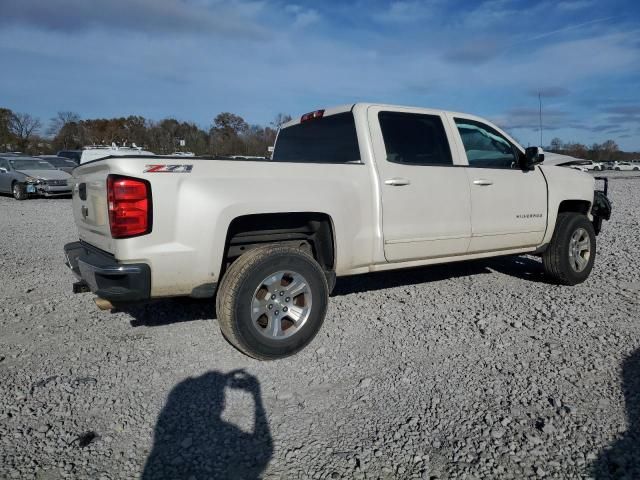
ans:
(19, 191)
(570, 255)
(272, 301)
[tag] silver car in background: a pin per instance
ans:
(23, 176)
(61, 163)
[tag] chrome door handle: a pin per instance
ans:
(482, 182)
(397, 182)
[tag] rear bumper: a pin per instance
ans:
(103, 275)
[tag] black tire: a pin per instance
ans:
(238, 290)
(18, 191)
(556, 259)
(635, 169)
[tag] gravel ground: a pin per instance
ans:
(476, 370)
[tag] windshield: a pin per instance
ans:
(31, 165)
(61, 162)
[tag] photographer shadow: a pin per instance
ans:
(621, 460)
(192, 441)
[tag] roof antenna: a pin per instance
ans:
(540, 103)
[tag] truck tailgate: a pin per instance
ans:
(90, 208)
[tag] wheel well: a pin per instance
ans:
(307, 230)
(577, 206)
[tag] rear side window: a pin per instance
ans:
(415, 139)
(329, 139)
(485, 147)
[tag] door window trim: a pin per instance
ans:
(516, 151)
(446, 144)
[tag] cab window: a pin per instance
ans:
(414, 139)
(485, 147)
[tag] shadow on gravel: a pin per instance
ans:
(520, 267)
(193, 441)
(184, 309)
(171, 310)
(621, 460)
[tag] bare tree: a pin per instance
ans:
(23, 126)
(58, 122)
(280, 119)
(556, 145)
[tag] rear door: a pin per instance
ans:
(509, 205)
(425, 194)
(90, 208)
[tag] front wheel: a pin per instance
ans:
(272, 302)
(19, 191)
(570, 255)
(635, 169)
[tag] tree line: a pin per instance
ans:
(606, 151)
(228, 134)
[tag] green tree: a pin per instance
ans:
(5, 134)
(225, 134)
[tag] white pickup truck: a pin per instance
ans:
(352, 189)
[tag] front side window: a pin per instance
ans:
(414, 139)
(331, 139)
(4, 164)
(485, 147)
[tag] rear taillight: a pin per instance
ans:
(129, 206)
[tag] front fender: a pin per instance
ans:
(565, 184)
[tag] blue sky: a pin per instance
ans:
(192, 59)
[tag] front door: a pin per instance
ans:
(426, 208)
(509, 205)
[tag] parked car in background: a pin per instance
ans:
(25, 176)
(579, 167)
(626, 166)
(591, 165)
(71, 154)
(61, 163)
(97, 152)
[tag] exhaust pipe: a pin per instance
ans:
(103, 304)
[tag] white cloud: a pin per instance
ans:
(404, 12)
(573, 5)
(303, 17)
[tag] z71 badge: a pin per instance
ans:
(168, 168)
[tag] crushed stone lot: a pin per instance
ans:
(473, 370)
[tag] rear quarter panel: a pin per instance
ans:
(192, 213)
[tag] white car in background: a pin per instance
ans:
(626, 166)
(587, 166)
(97, 152)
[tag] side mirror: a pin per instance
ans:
(532, 156)
(3, 170)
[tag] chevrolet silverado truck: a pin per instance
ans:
(348, 190)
